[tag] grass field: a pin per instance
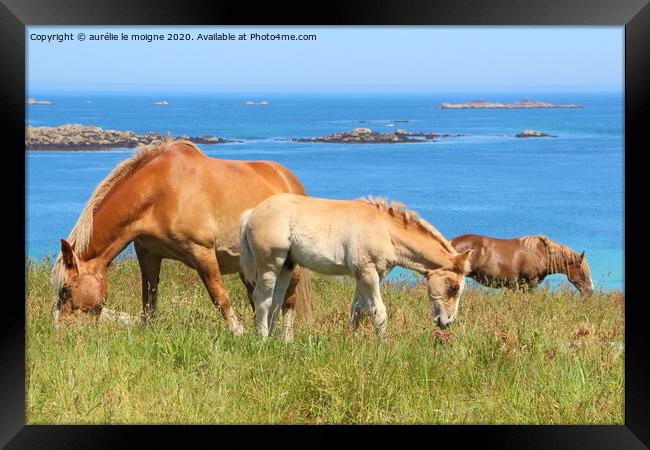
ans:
(548, 357)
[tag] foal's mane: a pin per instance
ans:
(397, 209)
(82, 232)
(558, 256)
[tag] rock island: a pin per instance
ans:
(368, 136)
(85, 137)
(525, 103)
(33, 101)
(533, 133)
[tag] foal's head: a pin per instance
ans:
(445, 286)
(82, 290)
(579, 274)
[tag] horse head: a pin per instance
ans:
(445, 285)
(82, 289)
(579, 274)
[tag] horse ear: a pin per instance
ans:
(462, 261)
(582, 255)
(68, 257)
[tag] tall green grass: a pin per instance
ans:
(548, 357)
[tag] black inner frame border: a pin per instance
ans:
(15, 15)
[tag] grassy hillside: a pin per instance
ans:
(547, 357)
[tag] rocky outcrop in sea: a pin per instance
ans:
(86, 137)
(33, 101)
(525, 103)
(368, 136)
(533, 133)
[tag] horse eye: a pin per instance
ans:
(64, 295)
(64, 292)
(453, 288)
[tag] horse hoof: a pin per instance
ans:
(237, 329)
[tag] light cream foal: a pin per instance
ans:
(363, 238)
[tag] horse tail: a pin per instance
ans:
(304, 305)
(304, 296)
(246, 259)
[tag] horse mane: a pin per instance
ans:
(397, 209)
(558, 256)
(82, 232)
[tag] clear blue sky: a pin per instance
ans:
(341, 59)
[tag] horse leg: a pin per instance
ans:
(263, 297)
(358, 308)
(281, 285)
(290, 303)
(249, 289)
(526, 285)
(369, 285)
(205, 262)
(150, 269)
(529, 287)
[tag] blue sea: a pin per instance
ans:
(570, 188)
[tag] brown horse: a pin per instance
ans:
(171, 201)
(523, 262)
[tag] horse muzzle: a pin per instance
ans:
(442, 323)
(586, 292)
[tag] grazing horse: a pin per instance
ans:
(171, 201)
(523, 262)
(364, 238)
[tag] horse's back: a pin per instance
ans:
(267, 177)
(278, 176)
(496, 258)
(199, 199)
(324, 235)
(466, 242)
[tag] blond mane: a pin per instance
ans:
(558, 256)
(82, 232)
(397, 209)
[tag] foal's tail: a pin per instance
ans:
(246, 259)
(304, 297)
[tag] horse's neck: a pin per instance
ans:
(416, 250)
(114, 227)
(556, 259)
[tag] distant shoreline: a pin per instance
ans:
(75, 137)
(523, 104)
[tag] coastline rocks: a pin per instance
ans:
(525, 103)
(207, 139)
(251, 103)
(532, 133)
(33, 101)
(430, 136)
(367, 136)
(85, 137)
